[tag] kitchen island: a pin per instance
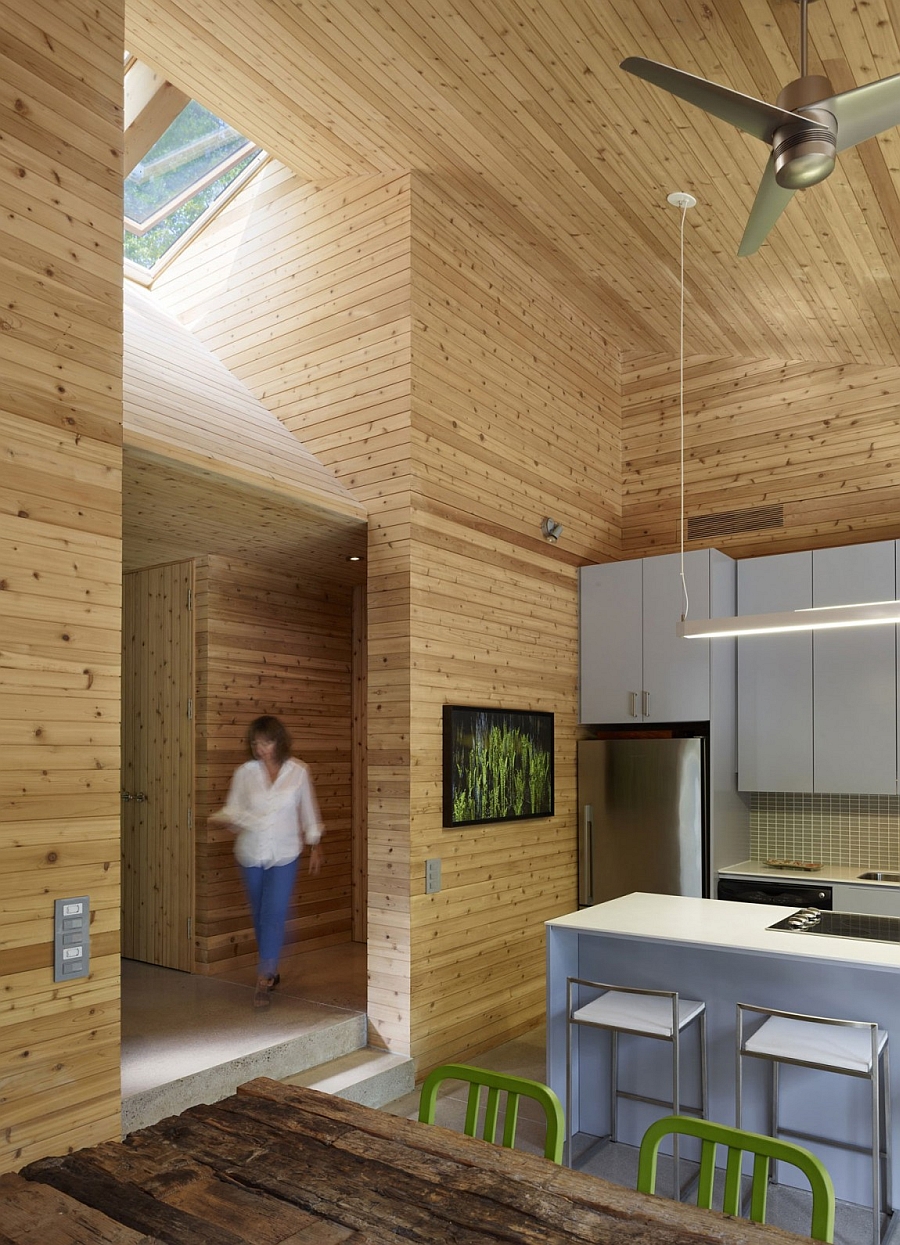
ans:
(722, 953)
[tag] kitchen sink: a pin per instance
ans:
(875, 875)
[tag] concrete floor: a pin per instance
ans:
(187, 1038)
(334, 976)
(175, 1023)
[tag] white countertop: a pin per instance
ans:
(718, 923)
(828, 873)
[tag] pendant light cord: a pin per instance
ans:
(681, 414)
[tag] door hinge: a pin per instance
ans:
(190, 600)
(190, 927)
(190, 819)
(190, 708)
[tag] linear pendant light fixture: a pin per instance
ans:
(818, 618)
(821, 618)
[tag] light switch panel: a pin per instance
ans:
(432, 876)
(71, 938)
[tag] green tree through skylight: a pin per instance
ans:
(176, 182)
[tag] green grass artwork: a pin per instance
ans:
(500, 764)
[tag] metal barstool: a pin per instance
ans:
(658, 1014)
(847, 1047)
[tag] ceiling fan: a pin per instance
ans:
(805, 128)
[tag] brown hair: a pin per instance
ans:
(273, 729)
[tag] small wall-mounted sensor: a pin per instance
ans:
(551, 530)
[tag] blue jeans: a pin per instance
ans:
(269, 892)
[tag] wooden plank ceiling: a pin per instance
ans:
(207, 469)
(524, 102)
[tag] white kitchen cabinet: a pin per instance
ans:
(610, 606)
(855, 675)
(634, 668)
(875, 900)
(817, 711)
(775, 726)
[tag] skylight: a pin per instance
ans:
(181, 177)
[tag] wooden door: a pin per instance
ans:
(157, 766)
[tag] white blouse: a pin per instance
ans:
(275, 819)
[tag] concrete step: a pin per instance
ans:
(369, 1076)
(208, 1051)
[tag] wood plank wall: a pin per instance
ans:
(515, 416)
(268, 644)
(303, 291)
(60, 582)
(821, 440)
(359, 803)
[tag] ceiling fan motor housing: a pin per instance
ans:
(804, 156)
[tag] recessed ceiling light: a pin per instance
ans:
(354, 557)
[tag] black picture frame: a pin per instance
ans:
(498, 765)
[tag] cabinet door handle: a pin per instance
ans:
(634, 711)
(646, 696)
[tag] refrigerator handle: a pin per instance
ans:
(586, 869)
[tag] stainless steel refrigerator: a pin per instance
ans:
(644, 824)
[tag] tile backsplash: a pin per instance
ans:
(854, 830)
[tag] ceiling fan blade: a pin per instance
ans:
(865, 111)
(771, 200)
(754, 116)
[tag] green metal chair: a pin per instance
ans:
(740, 1142)
(496, 1083)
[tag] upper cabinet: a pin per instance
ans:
(817, 711)
(634, 667)
(855, 675)
(610, 604)
(775, 678)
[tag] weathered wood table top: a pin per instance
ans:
(280, 1165)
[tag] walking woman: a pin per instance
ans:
(272, 810)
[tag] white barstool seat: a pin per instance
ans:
(846, 1047)
(658, 1014)
(649, 1015)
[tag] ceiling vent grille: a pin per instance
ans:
(728, 522)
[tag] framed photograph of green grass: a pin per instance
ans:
(498, 764)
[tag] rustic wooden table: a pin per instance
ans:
(279, 1165)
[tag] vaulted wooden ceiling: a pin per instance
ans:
(207, 469)
(524, 103)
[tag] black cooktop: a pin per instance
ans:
(841, 925)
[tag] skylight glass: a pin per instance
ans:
(179, 179)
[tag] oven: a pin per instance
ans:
(790, 892)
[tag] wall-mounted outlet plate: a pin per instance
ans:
(71, 938)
